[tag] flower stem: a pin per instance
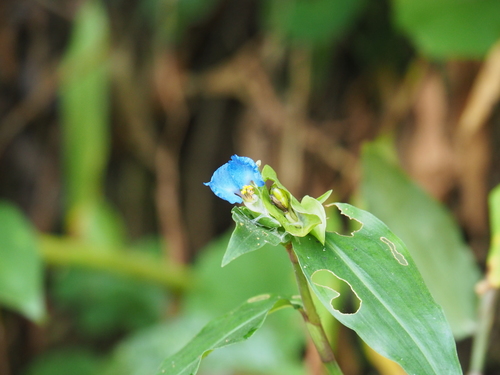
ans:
(312, 319)
(482, 334)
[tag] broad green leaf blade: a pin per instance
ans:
(21, 273)
(249, 236)
(450, 28)
(236, 326)
(493, 274)
(430, 233)
(397, 316)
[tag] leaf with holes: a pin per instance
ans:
(236, 326)
(396, 315)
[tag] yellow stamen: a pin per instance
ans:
(247, 190)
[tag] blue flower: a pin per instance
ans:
(235, 179)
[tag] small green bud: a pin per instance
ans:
(279, 197)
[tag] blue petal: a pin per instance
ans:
(243, 171)
(224, 186)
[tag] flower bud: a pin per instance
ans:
(279, 197)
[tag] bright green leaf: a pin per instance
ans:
(314, 206)
(322, 199)
(397, 316)
(494, 254)
(21, 273)
(249, 236)
(450, 28)
(238, 325)
(428, 230)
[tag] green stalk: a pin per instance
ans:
(482, 335)
(66, 251)
(312, 319)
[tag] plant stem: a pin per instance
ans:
(312, 319)
(65, 251)
(481, 337)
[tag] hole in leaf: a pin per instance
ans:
(343, 224)
(344, 299)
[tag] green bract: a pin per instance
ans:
(275, 217)
(303, 217)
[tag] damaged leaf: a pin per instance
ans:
(397, 315)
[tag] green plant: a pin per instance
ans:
(394, 313)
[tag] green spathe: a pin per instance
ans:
(303, 217)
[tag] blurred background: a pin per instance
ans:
(114, 112)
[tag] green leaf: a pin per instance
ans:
(493, 274)
(397, 316)
(216, 291)
(249, 236)
(429, 231)
(313, 22)
(238, 325)
(322, 199)
(141, 352)
(450, 28)
(21, 272)
(314, 206)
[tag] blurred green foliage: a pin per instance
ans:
(21, 268)
(428, 230)
(449, 28)
(84, 92)
(65, 361)
(133, 317)
(310, 23)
